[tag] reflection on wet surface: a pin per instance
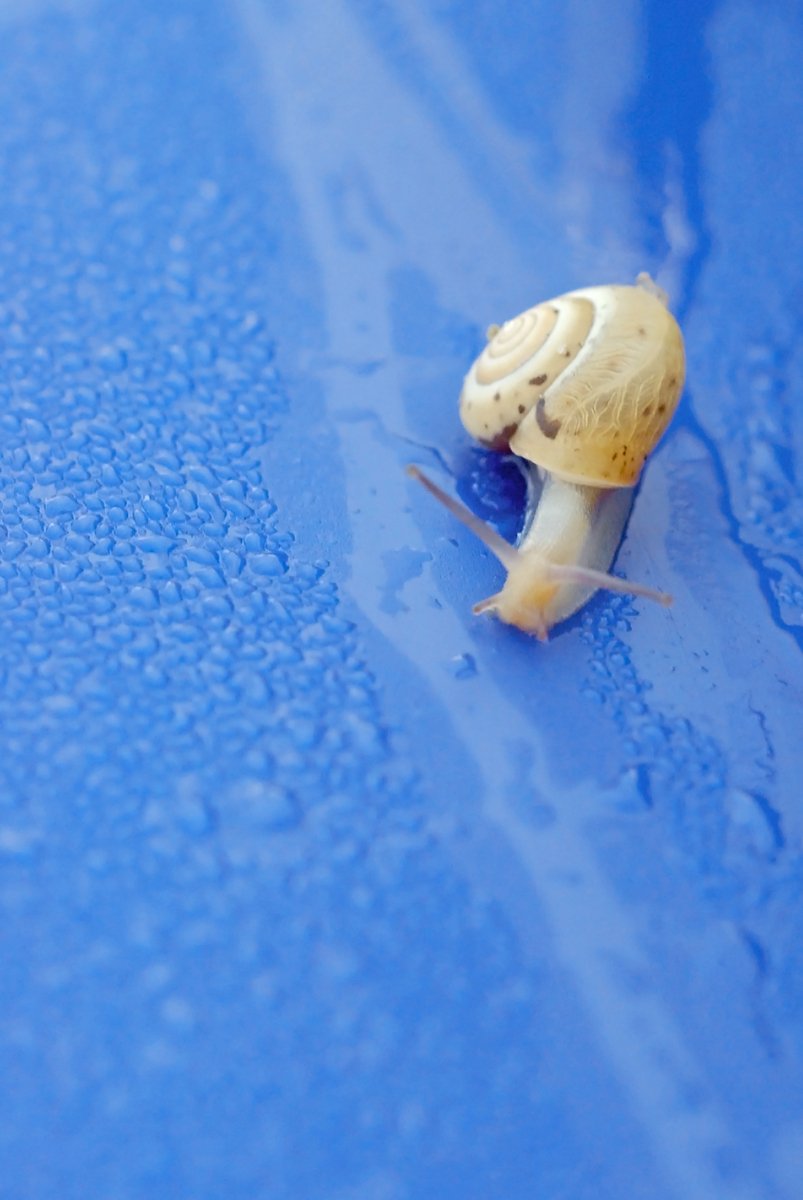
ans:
(626, 185)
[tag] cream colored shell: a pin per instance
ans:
(583, 386)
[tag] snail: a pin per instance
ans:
(581, 388)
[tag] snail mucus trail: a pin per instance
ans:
(581, 388)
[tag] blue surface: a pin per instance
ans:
(312, 886)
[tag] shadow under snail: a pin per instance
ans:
(581, 388)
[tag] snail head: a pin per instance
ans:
(533, 581)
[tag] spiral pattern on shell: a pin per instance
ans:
(583, 385)
(524, 357)
(516, 342)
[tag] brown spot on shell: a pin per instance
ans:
(549, 426)
(538, 380)
(501, 442)
(522, 409)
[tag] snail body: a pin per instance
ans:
(581, 388)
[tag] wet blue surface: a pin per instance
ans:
(312, 886)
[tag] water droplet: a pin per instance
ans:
(463, 666)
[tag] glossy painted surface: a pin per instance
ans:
(312, 885)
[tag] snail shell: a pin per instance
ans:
(583, 385)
